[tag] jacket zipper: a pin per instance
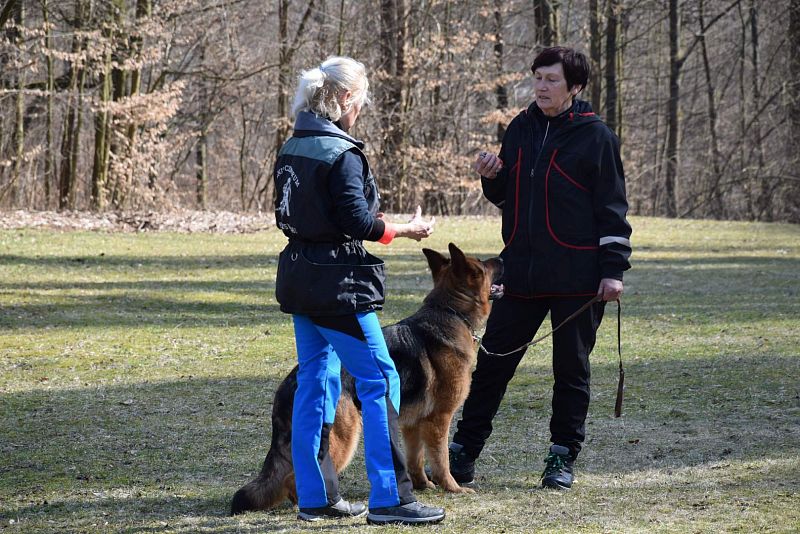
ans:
(546, 131)
(530, 204)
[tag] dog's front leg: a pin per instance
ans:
(415, 459)
(434, 434)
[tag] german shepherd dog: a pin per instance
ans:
(434, 351)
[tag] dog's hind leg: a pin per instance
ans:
(434, 432)
(415, 458)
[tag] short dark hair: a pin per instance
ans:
(576, 66)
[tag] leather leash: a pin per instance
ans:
(596, 298)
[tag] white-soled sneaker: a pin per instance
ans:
(341, 509)
(413, 513)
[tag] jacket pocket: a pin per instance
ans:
(319, 288)
(569, 213)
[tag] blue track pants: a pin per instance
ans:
(323, 345)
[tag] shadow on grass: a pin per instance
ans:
(101, 311)
(186, 300)
(166, 303)
(210, 435)
(137, 514)
(178, 263)
(174, 263)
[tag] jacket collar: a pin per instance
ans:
(578, 109)
(308, 124)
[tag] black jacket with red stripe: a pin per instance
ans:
(562, 192)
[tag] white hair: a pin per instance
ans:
(319, 89)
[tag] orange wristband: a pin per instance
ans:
(388, 234)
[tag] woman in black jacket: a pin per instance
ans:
(328, 204)
(560, 185)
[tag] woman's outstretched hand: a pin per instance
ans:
(417, 228)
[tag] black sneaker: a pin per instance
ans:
(558, 468)
(462, 465)
(340, 509)
(413, 513)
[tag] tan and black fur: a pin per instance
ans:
(433, 350)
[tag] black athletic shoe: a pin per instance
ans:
(340, 509)
(462, 465)
(413, 513)
(558, 468)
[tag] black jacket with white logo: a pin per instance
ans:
(326, 205)
(562, 192)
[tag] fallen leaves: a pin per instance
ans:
(182, 221)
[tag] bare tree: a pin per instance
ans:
(612, 45)
(677, 59)
(595, 54)
(500, 89)
(393, 37)
(793, 98)
(180, 117)
(545, 14)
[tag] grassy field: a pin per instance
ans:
(137, 373)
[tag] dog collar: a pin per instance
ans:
(475, 337)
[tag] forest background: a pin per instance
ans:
(125, 105)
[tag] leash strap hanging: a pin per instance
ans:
(597, 298)
(621, 382)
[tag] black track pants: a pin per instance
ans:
(513, 323)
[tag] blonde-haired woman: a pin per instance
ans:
(332, 286)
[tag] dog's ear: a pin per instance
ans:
(458, 259)
(435, 260)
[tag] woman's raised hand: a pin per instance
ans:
(487, 165)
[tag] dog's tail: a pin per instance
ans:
(275, 483)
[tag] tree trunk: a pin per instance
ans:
(743, 114)
(714, 194)
(669, 203)
(119, 90)
(764, 191)
(500, 91)
(102, 134)
(393, 64)
(545, 16)
(612, 38)
(143, 9)
(67, 176)
(201, 151)
(793, 90)
(340, 37)
(284, 74)
(48, 149)
(74, 136)
(286, 52)
(243, 156)
(19, 120)
(8, 11)
(596, 55)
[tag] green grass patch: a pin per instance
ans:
(137, 374)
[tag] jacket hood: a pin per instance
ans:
(309, 124)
